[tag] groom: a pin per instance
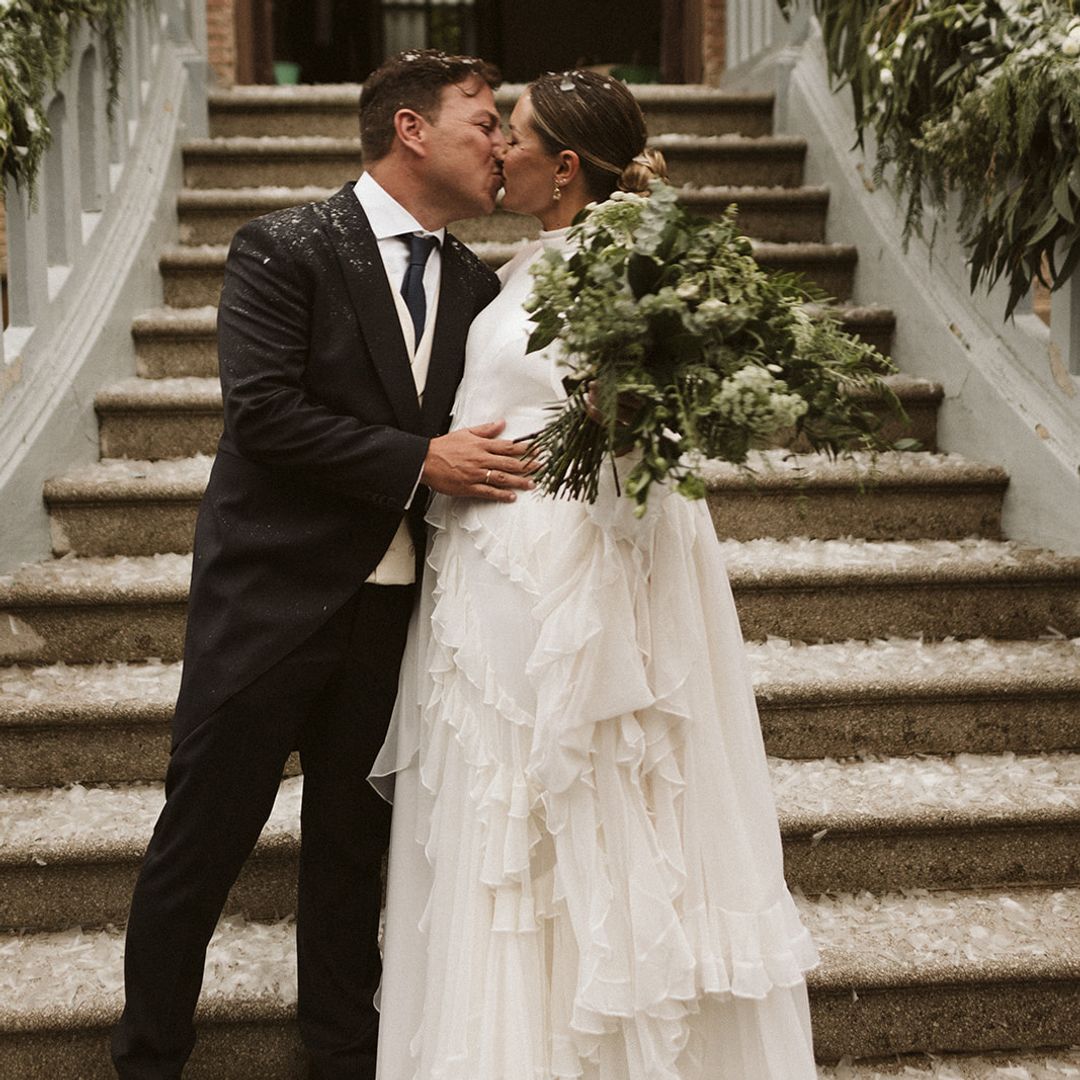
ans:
(341, 337)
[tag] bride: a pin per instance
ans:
(585, 875)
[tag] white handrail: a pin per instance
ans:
(754, 29)
(1012, 392)
(51, 246)
(72, 258)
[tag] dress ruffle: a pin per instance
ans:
(572, 801)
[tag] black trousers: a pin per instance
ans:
(331, 697)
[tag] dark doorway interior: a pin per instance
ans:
(560, 34)
(342, 40)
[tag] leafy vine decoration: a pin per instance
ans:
(977, 99)
(35, 51)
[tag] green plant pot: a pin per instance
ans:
(286, 72)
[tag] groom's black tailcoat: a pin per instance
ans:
(324, 437)
(323, 442)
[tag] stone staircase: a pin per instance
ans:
(924, 737)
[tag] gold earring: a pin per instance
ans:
(558, 192)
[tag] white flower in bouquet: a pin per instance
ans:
(755, 399)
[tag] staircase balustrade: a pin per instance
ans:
(53, 245)
(1011, 388)
(75, 249)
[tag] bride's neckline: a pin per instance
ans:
(553, 238)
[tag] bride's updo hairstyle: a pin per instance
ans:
(598, 118)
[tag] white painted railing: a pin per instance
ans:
(1012, 389)
(752, 28)
(80, 261)
(406, 23)
(51, 247)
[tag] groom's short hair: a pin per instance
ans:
(414, 79)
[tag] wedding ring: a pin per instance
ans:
(487, 477)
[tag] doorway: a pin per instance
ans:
(334, 41)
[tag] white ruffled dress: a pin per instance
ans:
(585, 875)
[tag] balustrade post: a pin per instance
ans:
(794, 34)
(28, 268)
(1065, 319)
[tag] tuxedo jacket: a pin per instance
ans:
(323, 438)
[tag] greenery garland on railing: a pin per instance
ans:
(981, 99)
(35, 50)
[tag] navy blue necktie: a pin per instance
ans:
(412, 287)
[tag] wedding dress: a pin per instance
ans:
(585, 875)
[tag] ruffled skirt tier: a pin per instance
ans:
(586, 877)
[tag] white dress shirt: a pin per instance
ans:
(389, 220)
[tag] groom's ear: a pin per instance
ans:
(409, 126)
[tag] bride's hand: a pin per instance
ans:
(626, 409)
(475, 463)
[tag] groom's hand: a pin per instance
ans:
(474, 462)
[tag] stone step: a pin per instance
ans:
(1052, 1064)
(988, 971)
(69, 856)
(80, 610)
(192, 275)
(63, 992)
(126, 506)
(175, 342)
(150, 419)
(830, 590)
(97, 723)
(971, 821)
(159, 418)
(86, 610)
(773, 214)
(331, 111)
(304, 161)
(916, 973)
(891, 495)
(906, 696)
(108, 723)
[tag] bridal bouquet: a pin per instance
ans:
(683, 349)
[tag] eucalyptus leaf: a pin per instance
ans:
(983, 104)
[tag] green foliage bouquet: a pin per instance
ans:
(687, 350)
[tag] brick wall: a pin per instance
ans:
(712, 41)
(221, 39)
